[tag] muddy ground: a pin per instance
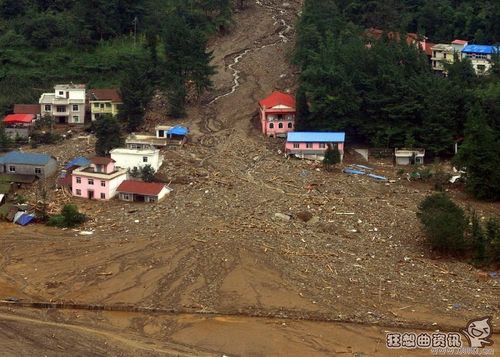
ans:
(216, 246)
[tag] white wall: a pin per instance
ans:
(130, 158)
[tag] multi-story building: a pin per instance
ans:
(104, 101)
(66, 104)
(277, 114)
(481, 57)
(442, 54)
(136, 158)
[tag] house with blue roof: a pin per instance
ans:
(20, 165)
(312, 145)
(481, 57)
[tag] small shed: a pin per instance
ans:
(409, 156)
(138, 191)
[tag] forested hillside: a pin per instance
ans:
(384, 92)
(95, 41)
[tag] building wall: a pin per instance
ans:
(134, 158)
(109, 188)
(21, 132)
(46, 170)
(272, 118)
(315, 146)
(113, 109)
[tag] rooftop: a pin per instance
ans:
(99, 94)
(278, 98)
(19, 118)
(459, 42)
(134, 151)
(17, 157)
(98, 160)
(141, 188)
(442, 47)
(26, 109)
(69, 86)
(483, 49)
(316, 137)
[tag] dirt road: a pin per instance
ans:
(216, 245)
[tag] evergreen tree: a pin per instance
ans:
(5, 140)
(479, 155)
(302, 115)
(108, 134)
(147, 173)
(332, 157)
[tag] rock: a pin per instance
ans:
(283, 217)
(305, 216)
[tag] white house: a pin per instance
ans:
(409, 156)
(66, 104)
(136, 158)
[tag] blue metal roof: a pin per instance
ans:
(178, 130)
(26, 158)
(316, 137)
(78, 161)
(483, 49)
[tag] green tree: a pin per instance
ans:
(5, 140)
(147, 173)
(303, 113)
(332, 156)
(108, 134)
(69, 217)
(444, 223)
(479, 155)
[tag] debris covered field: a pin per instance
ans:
(245, 233)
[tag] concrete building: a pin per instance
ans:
(66, 104)
(481, 57)
(312, 145)
(409, 156)
(28, 164)
(137, 158)
(104, 101)
(97, 181)
(142, 191)
(277, 114)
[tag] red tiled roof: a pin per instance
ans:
(27, 109)
(141, 188)
(427, 47)
(278, 98)
(98, 160)
(105, 94)
(19, 118)
(459, 42)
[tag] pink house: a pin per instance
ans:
(277, 114)
(312, 145)
(97, 181)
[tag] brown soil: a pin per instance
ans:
(215, 245)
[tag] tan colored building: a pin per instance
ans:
(104, 101)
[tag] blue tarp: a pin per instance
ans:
(25, 219)
(78, 161)
(178, 130)
(376, 177)
(353, 172)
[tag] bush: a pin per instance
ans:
(147, 173)
(444, 223)
(69, 217)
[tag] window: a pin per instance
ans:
(48, 107)
(103, 196)
(76, 118)
(12, 169)
(102, 105)
(144, 159)
(481, 67)
(78, 180)
(444, 56)
(290, 125)
(108, 105)
(75, 107)
(103, 183)
(61, 92)
(280, 125)
(61, 109)
(96, 105)
(309, 145)
(91, 181)
(322, 145)
(280, 116)
(78, 192)
(296, 145)
(126, 197)
(271, 125)
(38, 171)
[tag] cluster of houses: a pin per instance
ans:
(440, 54)
(67, 104)
(277, 119)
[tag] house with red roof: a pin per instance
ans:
(277, 114)
(104, 101)
(99, 180)
(19, 125)
(142, 191)
(28, 109)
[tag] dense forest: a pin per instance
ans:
(43, 42)
(384, 92)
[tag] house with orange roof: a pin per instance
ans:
(277, 114)
(104, 101)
